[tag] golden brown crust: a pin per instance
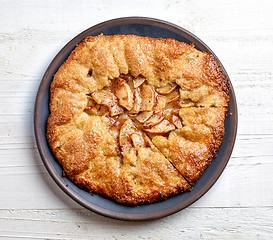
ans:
(150, 178)
(108, 80)
(192, 147)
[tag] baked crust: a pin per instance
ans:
(136, 119)
(192, 147)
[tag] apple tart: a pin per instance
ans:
(136, 119)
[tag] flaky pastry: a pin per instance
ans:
(136, 119)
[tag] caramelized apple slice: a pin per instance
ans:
(125, 95)
(91, 106)
(177, 121)
(160, 103)
(115, 110)
(109, 100)
(148, 98)
(130, 137)
(137, 102)
(144, 116)
(173, 96)
(138, 81)
(126, 130)
(90, 102)
(137, 140)
(98, 110)
(163, 127)
(147, 140)
(155, 119)
(167, 89)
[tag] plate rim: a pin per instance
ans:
(64, 186)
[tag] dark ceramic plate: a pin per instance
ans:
(143, 27)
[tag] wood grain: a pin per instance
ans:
(192, 223)
(239, 205)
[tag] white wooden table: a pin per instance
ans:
(238, 206)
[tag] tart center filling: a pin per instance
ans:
(133, 107)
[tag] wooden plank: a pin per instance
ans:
(191, 223)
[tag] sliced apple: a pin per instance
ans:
(99, 110)
(126, 130)
(137, 101)
(144, 116)
(90, 102)
(177, 121)
(115, 110)
(137, 140)
(91, 106)
(138, 81)
(148, 98)
(125, 95)
(109, 100)
(173, 96)
(167, 89)
(126, 77)
(147, 140)
(160, 103)
(163, 127)
(155, 119)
